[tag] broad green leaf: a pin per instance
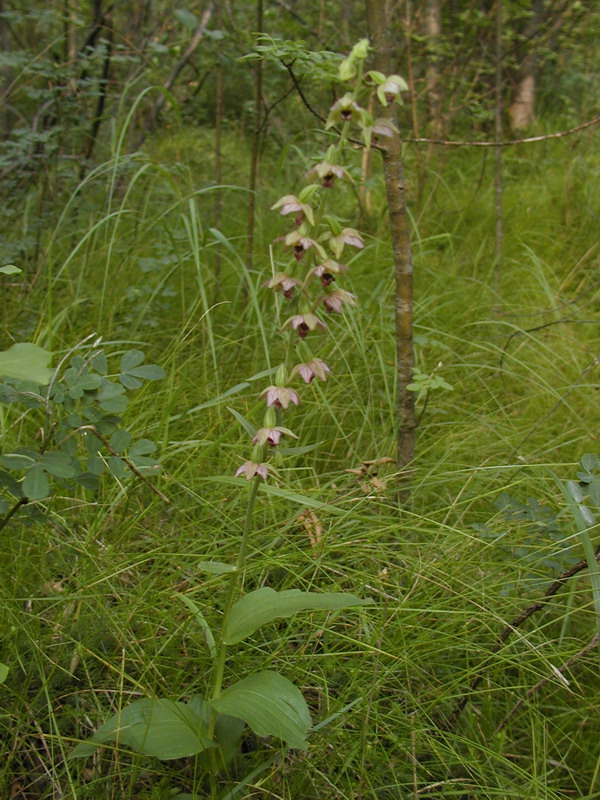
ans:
(116, 467)
(270, 704)
(88, 481)
(120, 440)
(145, 464)
(58, 464)
(35, 485)
(27, 362)
(186, 18)
(109, 390)
(131, 359)
(3, 672)
(575, 490)
(10, 483)
(164, 729)
(264, 605)
(99, 363)
(19, 460)
(589, 461)
(148, 372)
(115, 405)
(10, 269)
(129, 382)
(142, 447)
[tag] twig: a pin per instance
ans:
(292, 13)
(318, 115)
(130, 465)
(301, 94)
(523, 331)
(6, 519)
(270, 108)
(509, 143)
(506, 633)
(589, 646)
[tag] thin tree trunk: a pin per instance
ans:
(432, 28)
(255, 145)
(399, 228)
(101, 101)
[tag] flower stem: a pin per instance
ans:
(232, 589)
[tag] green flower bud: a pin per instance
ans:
(360, 50)
(270, 418)
(281, 376)
(347, 69)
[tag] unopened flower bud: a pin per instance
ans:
(270, 418)
(281, 376)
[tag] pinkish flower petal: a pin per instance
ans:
(263, 471)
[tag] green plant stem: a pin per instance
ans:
(234, 582)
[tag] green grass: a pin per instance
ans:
(90, 613)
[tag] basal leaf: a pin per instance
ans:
(265, 605)
(270, 704)
(10, 269)
(3, 672)
(164, 729)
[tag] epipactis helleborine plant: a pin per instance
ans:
(211, 727)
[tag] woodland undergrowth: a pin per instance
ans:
(507, 388)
